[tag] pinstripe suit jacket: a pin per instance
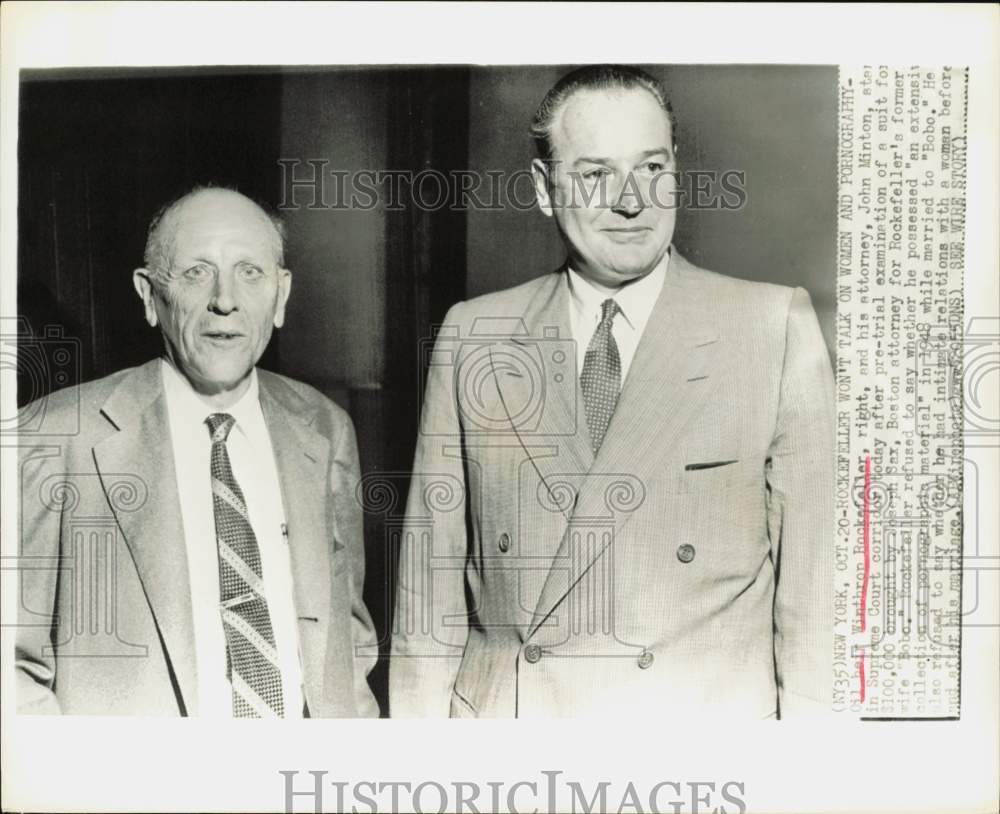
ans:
(105, 622)
(684, 570)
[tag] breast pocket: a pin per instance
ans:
(710, 476)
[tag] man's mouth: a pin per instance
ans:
(624, 233)
(222, 336)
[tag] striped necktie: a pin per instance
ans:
(601, 378)
(251, 655)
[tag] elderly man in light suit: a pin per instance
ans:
(190, 541)
(622, 496)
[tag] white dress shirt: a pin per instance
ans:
(636, 301)
(255, 470)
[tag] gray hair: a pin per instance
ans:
(159, 237)
(593, 77)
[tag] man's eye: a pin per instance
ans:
(598, 172)
(196, 273)
(251, 272)
(653, 166)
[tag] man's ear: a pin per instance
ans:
(143, 284)
(543, 187)
(284, 289)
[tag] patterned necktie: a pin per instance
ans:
(601, 378)
(251, 655)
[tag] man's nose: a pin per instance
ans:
(223, 294)
(627, 199)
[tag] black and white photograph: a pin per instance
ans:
(590, 399)
(516, 398)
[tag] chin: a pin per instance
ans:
(222, 381)
(623, 275)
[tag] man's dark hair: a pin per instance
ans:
(594, 77)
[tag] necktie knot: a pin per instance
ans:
(609, 310)
(219, 425)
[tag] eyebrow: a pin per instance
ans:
(187, 262)
(601, 160)
(206, 261)
(651, 153)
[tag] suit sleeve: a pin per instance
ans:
(38, 556)
(430, 626)
(350, 527)
(800, 480)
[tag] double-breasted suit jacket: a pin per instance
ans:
(684, 569)
(105, 621)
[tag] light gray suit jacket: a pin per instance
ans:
(105, 621)
(686, 570)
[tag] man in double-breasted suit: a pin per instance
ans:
(622, 497)
(190, 540)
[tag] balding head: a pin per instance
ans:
(160, 239)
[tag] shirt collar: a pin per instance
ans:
(188, 408)
(636, 300)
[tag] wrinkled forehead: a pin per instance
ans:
(225, 225)
(614, 123)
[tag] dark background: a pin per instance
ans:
(101, 151)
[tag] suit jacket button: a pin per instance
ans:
(685, 553)
(645, 660)
(504, 542)
(533, 653)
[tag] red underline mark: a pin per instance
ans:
(867, 542)
(866, 536)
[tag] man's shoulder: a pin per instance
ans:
(749, 311)
(70, 410)
(299, 397)
(507, 301)
(734, 291)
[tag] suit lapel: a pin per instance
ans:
(559, 443)
(153, 530)
(303, 460)
(675, 368)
